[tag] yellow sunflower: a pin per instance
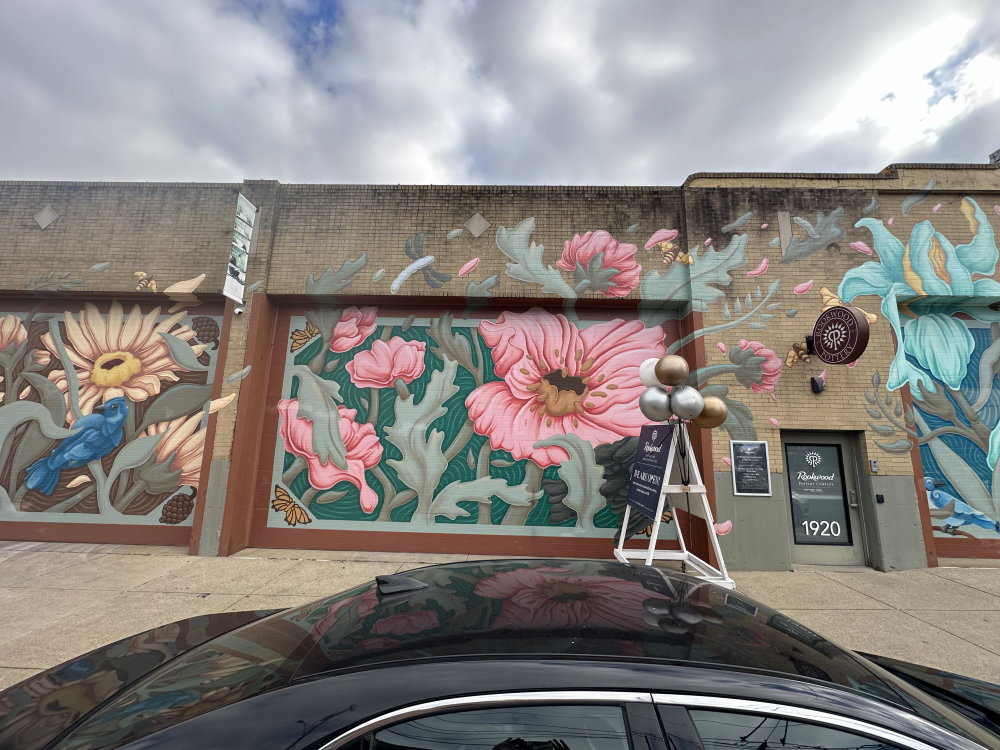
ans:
(183, 443)
(118, 355)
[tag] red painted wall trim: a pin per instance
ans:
(247, 437)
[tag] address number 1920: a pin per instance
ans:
(821, 528)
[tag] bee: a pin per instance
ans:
(671, 253)
(798, 353)
(832, 300)
(145, 281)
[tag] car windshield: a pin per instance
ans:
(488, 608)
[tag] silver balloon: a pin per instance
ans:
(686, 402)
(647, 373)
(655, 404)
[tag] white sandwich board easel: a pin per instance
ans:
(692, 498)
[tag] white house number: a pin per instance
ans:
(821, 528)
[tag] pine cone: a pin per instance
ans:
(177, 509)
(206, 329)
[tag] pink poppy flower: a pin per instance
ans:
(363, 450)
(367, 601)
(380, 366)
(355, 325)
(559, 380)
(536, 599)
(770, 368)
(406, 623)
(621, 257)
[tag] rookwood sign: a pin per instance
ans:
(840, 335)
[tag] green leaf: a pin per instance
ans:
(897, 446)
(737, 306)
(318, 399)
(699, 281)
(583, 477)
(873, 412)
(182, 353)
(482, 288)
(527, 263)
(333, 282)
(176, 402)
(52, 398)
(423, 462)
(482, 491)
(132, 455)
(501, 463)
(158, 476)
(236, 377)
(594, 277)
(882, 429)
(870, 398)
(726, 315)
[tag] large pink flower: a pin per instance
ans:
(363, 450)
(559, 380)
(355, 325)
(406, 623)
(380, 366)
(367, 601)
(621, 257)
(539, 599)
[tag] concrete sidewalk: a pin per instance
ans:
(60, 600)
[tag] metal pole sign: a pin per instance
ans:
(236, 272)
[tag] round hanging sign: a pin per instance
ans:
(840, 335)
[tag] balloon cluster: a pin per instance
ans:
(667, 396)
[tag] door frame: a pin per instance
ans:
(848, 441)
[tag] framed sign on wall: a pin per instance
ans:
(751, 467)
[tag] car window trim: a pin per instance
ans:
(616, 697)
(809, 715)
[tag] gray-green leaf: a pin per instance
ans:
(317, 403)
(176, 402)
(182, 353)
(482, 491)
(237, 376)
(583, 477)
(527, 262)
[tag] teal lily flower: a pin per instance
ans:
(931, 267)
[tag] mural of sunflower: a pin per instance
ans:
(118, 356)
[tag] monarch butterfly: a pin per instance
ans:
(832, 300)
(798, 353)
(667, 517)
(302, 336)
(283, 503)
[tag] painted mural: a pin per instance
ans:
(513, 422)
(102, 412)
(948, 356)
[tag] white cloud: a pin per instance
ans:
(520, 91)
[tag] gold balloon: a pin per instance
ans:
(672, 370)
(713, 414)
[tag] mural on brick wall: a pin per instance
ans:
(525, 420)
(102, 411)
(950, 359)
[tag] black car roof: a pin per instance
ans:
(495, 609)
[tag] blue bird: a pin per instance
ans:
(961, 514)
(93, 437)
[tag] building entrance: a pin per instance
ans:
(827, 524)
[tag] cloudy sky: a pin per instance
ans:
(491, 91)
